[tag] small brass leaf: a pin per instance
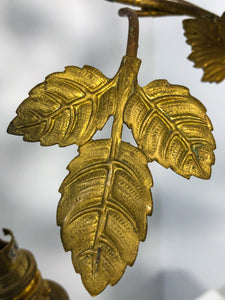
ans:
(67, 108)
(207, 38)
(102, 211)
(172, 127)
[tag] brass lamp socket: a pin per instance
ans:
(19, 277)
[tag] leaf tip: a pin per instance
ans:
(92, 287)
(11, 128)
(92, 274)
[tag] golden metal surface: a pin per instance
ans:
(171, 126)
(207, 39)
(19, 277)
(102, 212)
(106, 196)
(67, 108)
(155, 8)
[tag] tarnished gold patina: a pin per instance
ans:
(20, 278)
(205, 33)
(157, 8)
(106, 196)
(207, 38)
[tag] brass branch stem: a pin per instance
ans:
(167, 7)
(133, 31)
(126, 78)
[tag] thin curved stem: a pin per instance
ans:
(133, 32)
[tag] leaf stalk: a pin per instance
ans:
(126, 77)
(133, 31)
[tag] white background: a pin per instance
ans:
(184, 252)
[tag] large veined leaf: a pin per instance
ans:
(172, 127)
(207, 38)
(67, 108)
(102, 211)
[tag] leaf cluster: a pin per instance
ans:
(106, 196)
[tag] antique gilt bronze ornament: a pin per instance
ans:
(106, 196)
(19, 277)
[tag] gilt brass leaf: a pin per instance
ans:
(102, 211)
(172, 127)
(207, 38)
(67, 108)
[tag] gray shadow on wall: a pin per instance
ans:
(222, 291)
(168, 285)
(23, 20)
(137, 286)
(180, 285)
